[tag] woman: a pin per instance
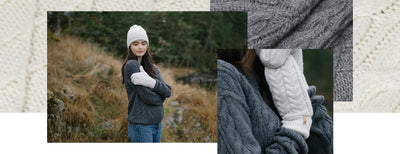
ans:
(145, 87)
(250, 121)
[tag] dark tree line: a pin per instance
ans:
(182, 39)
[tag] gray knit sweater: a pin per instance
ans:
(145, 104)
(246, 124)
(302, 24)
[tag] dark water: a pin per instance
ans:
(204, 80)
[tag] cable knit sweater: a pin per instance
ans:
(246, 124)
(302, 24)
(145, 104)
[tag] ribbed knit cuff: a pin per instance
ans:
(301, 124)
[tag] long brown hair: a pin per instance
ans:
(235, 57)
(147, 63)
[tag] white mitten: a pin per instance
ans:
(273, 58)
(143, 79)
(289, 89)
(298, 56)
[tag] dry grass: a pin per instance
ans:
(88, 82)
(202, 105)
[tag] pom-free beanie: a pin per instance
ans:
(135, 33)
(305, 24)
(288, 88)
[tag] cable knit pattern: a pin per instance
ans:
(23, 43)
(145, 104)
(289, 91)
(302, 24)
(246, 124)
(273, 58)
(376, 57)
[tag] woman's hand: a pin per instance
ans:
(143, 79)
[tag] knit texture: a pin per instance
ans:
(302, 24)
(135, 33)
(273, 58)
(276, 58)
(23, 43)
(288, 88)
(376, 57)
(145, 104)
(246, 124)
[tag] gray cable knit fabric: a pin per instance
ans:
(302, 24)
(246, 124)
(145, 104)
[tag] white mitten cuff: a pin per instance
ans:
(300, 124)
(151, 83)
(289, 92)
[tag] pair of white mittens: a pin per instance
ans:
(284, 74)
(143, 79)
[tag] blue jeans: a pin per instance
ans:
(145, 133)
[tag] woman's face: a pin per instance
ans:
(139, 48)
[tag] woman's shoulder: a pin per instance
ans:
(156, 68)
(132, 62)
(225, 68)
(132, 65)
(229, 77)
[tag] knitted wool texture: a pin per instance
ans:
(23, 43)
(376, 57)
(135, 33)
(145, 104)
(246, 124)
(288, 87)
(302, 24)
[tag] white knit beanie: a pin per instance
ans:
(135, 33)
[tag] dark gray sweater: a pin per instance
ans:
(145, 104)
(246, 124)
(302, 24)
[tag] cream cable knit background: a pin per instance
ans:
(376, 57)
(23, 49)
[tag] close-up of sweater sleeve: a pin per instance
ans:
(235, 131)
(321, 132)
(302, 24)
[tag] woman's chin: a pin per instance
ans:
(139, 54)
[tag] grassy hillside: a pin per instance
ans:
(88, 103)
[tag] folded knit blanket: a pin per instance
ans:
(302, 24)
